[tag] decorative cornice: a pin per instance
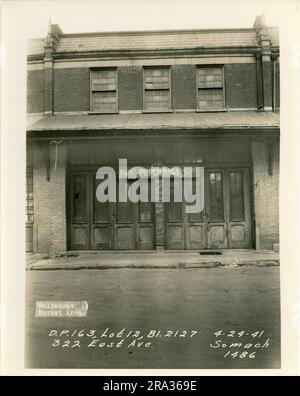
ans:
(274, 56)
(262, 33)
(51, 40)
(121, 54)
(146, 54)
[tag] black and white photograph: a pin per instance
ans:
(152, 181)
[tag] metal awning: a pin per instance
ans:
(232, 120)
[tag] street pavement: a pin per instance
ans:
(188, 317)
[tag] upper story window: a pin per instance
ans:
(157, 89)
(210, 88)
(104, 90)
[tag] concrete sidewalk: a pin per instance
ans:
(151, 259)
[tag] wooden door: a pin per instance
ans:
(90, 221)
(174, 222)
(108, 225)
(101, 220)
(174, 225)
(124, 226)
(134, 225)
(183, 230)
(144, 214)
(215, 208)
(226, 219)
(239, 208)
(228, 208)
(195, 230)
(80, 211)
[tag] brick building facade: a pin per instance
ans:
(166, 98)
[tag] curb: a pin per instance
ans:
(180, 265)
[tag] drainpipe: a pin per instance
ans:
(259, 82)
(274, 59)
(51, 42)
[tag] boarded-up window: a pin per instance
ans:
(29, 195)
(104, 90)
(157, 89)
(210, 88)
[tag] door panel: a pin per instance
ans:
(195, 230)
(124, 226)
(216, 236)
(80, 212)
(226, 219)
(109, 225)
(101, 238)
(239, 208)
(174, 222)
(124, 237)
(134, 226)
(80, 235)
(146, 240)
(215, 194)
(101, 221)
(175, 238)
(183, 230)
(145, 225)
(196, 236)
(236, 197)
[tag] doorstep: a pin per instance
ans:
(154, 259)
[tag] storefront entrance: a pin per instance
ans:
(225, 222)
(95, 225)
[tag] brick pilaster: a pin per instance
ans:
(51, 43)
(57, 197)
(159, 219)
(48, 87)
(265, 160)
(41, 197)
(266, 66)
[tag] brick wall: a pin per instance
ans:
(183, 87)
(277, 84)
(35, 91)
(29, 199)
(130, 88)
(240, 85)
(48, 87)
(266, 193)
(72, 89)
(267, 83)
(40, 199)
(57, 198)
(49, 195)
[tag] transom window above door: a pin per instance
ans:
(104, 90)
(210, 88)
(157, 89)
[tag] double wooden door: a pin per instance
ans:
(224, 223)
(226, 219)
(109, 225)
